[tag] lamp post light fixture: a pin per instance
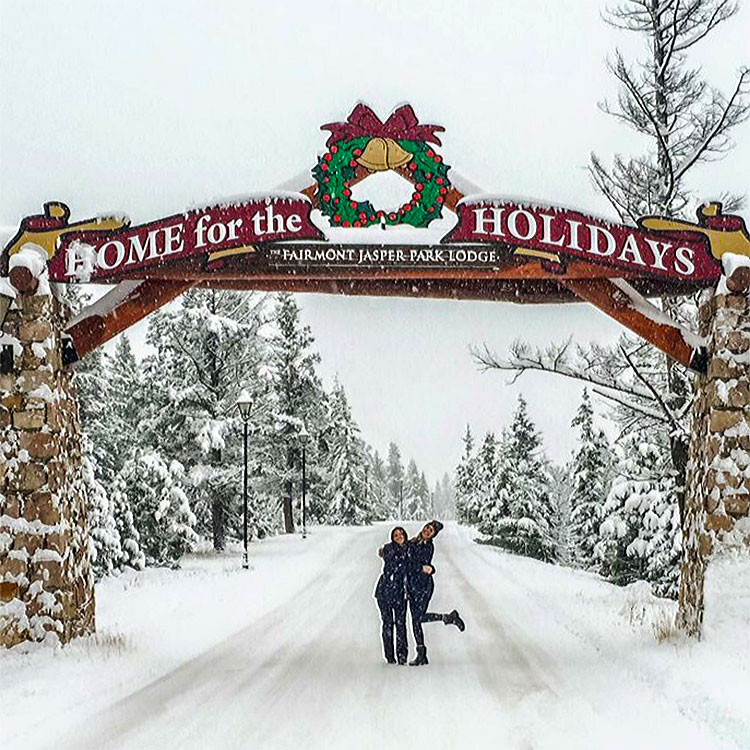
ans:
(244, 405)
(304, 439)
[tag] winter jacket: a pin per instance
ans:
(419, 553)
(391, 582)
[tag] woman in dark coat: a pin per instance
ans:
(420, 585)
(390, 594)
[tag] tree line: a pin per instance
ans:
(611, 509)
(163, 439)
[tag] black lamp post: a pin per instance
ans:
(304, 439)
(244, 404)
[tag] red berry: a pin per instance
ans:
(353, 204)
(430, 153)
(337, 218)
(372, 217)
(443, 191)
(356, 224)
(381, 214)
(326, 198)
(334, 149)
(346, 223)
(346, 191)
(439, 181)
(438, 158)
(419, 186)
(412, 166)
(326, 179)
(428, 176)
(439, 199)
(416, 196)
(352, 163)
(336, 201)
(358, 152)
(324, 167)
(431, 209)
(363, 216)
(328, 157)
(407, 207)
(392, 216)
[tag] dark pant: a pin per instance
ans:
(419, 600)
(393, 612)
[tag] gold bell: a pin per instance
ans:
(381, 154)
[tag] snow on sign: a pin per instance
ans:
(438, 228)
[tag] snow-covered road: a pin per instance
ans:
(545, 662)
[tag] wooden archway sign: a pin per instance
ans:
(446, 242)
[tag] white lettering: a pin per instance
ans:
(630, 248)
(294, 223)
(659, 253)
(200, 230)
(173, 239)
(101, 256)
(530, 224)
(684, 261)
(138, 251)
(574, 227)
(547, 232)
(257, 223)
(595, 234)
(481, 221)
(216, 233)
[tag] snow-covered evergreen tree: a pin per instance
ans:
(467, 502)
(298, 398)
(589, 485)
(527, 526)
(490, 505)
(106, 549)
(155, 493)
(640, 534)
(395, 479)
(346, 463)
(208, 349)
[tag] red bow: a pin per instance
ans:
(402, 125)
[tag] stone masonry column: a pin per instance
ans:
(717, 497)
(46, 582)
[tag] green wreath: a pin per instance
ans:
(338, 166)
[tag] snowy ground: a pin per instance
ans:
(287, 656)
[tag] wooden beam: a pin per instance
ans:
(617, 300)
(119, 309)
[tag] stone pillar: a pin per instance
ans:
(46, 582)
(717, 497)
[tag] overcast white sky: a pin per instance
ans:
(148, 107)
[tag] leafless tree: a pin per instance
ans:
(686, 120)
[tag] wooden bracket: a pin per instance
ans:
(119, 309)
(620, 301)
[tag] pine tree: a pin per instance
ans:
(412, 501)
(106, 549)
(639, 538)
(467, 506)
(395, 479)
(528, 524)
(208, 349)
(161, 511)
(490, 505)
(297, 393)
(589, 480)
(346, 459)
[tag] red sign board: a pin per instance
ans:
(213, 232)
(556, 232)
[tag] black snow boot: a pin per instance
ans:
(402, 659)
(421, 657)
(454, 618)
